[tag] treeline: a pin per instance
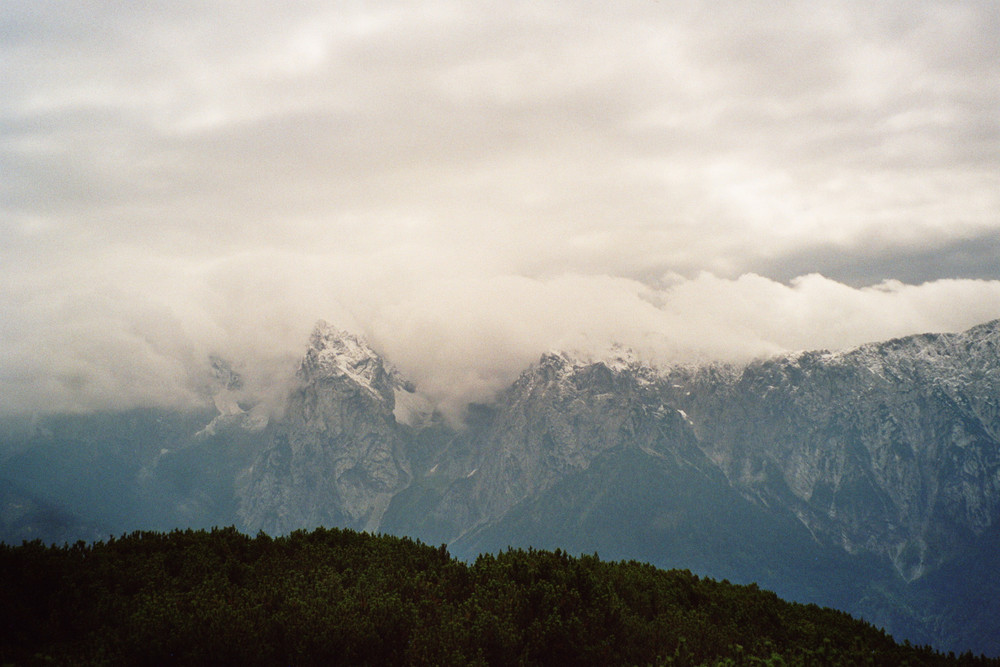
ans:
(342, 597)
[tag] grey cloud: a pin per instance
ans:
(484, 179)
(876, 260)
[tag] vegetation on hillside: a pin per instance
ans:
(342, 597)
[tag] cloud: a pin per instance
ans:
(873, 259)
(472, 184)
(461, 337)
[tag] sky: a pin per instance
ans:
(471, 184)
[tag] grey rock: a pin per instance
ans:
(877, 468)
(337, 456)
(890, 449)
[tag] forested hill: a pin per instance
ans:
(342, 597)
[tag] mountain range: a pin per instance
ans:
(867, 479)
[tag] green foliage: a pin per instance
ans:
(341, 597)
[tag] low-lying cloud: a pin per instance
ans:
(461, 338)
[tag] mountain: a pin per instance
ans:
(890, 448)
(866, 479)
(68, 477)
(339, 454)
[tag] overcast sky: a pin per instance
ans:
(469, 184)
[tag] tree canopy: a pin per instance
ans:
(333, 596)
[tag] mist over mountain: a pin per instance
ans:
(866, 479)
(461, 337)
(655, 279)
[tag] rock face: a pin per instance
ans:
(338, 456)
(558, 417)
(882, 463)
(889, 449)
(866, 479)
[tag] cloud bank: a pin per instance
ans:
(472, 184)
(460, 338)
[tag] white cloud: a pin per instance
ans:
(471, 184)
(461, 334)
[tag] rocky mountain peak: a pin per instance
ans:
(338, 355)
(333, 352)
(338, 456)
(885, 452)
(987, 331)
(563, 366)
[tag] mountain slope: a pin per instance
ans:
(889, 449)
(338, 455)
(868, 479)
(880, 463)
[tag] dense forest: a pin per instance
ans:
(342, 597)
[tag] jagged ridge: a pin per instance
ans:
(888, 450)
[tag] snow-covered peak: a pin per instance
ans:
(616, 357)
(572, 366)
(339, 347)
(943, 354)
(334, 352)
